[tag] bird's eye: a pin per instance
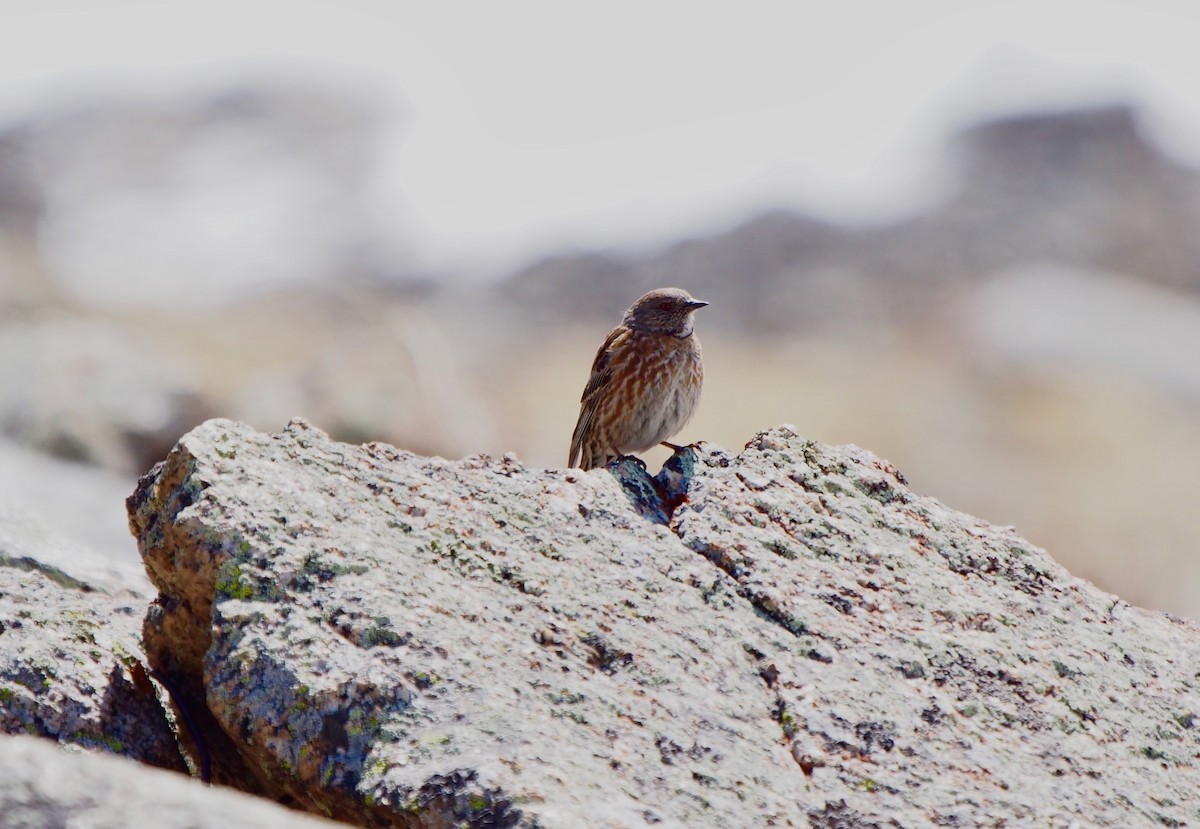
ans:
(664, 306)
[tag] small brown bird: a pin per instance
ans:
(645, 382)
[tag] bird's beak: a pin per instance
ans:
(696, 304)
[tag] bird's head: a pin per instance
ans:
(663, 311)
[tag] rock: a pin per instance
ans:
(89, 391)
(44, 786)
(482, 640)
(228, 183)
(71, 661)
(89, 537)
(387, 638)
(1089, 188)
(25, 538)
(956, 675)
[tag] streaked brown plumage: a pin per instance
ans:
(645, 382)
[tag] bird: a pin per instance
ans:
(645, 381)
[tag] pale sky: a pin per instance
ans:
(529, 125)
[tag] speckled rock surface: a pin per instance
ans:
(71, 662)
(955, 675)
(47, 787)
(398, 640)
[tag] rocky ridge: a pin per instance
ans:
(788, 636)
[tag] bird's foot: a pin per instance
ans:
(675, 447)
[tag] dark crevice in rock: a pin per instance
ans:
(764, 604)
(211, 752)
(188, 719)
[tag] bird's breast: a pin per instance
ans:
(660, 388)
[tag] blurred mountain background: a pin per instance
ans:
(1020, 335)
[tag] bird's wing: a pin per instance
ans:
(601, 368)
(601, 371)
